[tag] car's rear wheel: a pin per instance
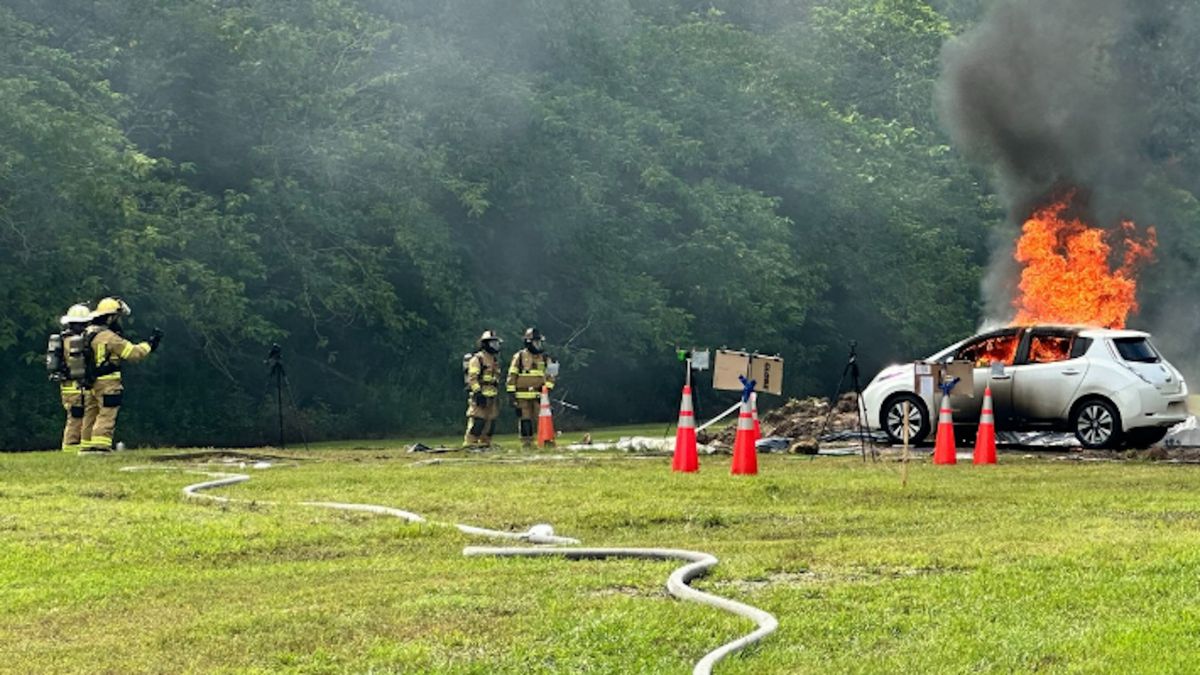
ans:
(1096, 424)
(894, 421)
(1145, 436)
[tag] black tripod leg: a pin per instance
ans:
(833, 401)
(860, 413)
(295, 409)
(279, 402)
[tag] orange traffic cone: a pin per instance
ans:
(545, 421)
(754, 416)
(985, 438)
(944, 451)
(745, 457)
(685, 436)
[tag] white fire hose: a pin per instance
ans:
(699, 563)
(677, 585)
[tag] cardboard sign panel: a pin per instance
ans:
(965, 372)
(930, 375)
(730, 364)
(768, 371)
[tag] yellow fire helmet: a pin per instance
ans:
(111, 306)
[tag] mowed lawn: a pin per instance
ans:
(1035, 564)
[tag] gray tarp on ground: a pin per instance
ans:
(1186, 434)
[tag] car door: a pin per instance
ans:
(993, 354)
(1048, 372)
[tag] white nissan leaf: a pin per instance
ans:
(1111, 388)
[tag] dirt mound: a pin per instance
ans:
(800, 419)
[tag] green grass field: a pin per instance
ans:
(1035, 564)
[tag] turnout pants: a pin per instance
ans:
(527, 414)
(72, 398)
(100, 414)
(481, 422)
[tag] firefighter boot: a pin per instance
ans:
(486, 438)
(475, 426)
(526, 414)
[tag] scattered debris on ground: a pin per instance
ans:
(226, 456)
(643, 444)
(798, 426)
(421, 447)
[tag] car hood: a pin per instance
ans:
(894, 372)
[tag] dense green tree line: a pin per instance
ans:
(372, 183)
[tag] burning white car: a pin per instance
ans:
(1110, 388)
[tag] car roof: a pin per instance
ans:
(1112, 333)
(1080, 329)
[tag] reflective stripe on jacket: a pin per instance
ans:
(483, 374)
(527, 375)
(113, 351)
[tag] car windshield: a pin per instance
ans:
(983, 351)
(1136, 349)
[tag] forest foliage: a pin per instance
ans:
(372, 183)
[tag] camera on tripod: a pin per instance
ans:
(851, 374)
(277, 375)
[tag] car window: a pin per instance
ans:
(1136, 349)
(1049, 348)
(1080, 347)
(1000, 348)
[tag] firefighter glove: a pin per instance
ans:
(480, 399)
(156, 336)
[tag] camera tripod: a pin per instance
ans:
(278, 373)
(850, 370)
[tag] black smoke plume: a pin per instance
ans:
(1036, 93)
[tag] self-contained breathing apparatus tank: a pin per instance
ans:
(76, 353)
(66, 357)
(466, 365)
(55, 362)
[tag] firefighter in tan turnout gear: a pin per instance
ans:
(109, 352)
(483, 391)
(528, 372)
(67, 368)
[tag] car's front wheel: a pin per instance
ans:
(1096, 424)
(894, 419)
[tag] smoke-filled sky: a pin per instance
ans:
(1033, 93)
(1041, 93)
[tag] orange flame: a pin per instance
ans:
(1066, 276)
